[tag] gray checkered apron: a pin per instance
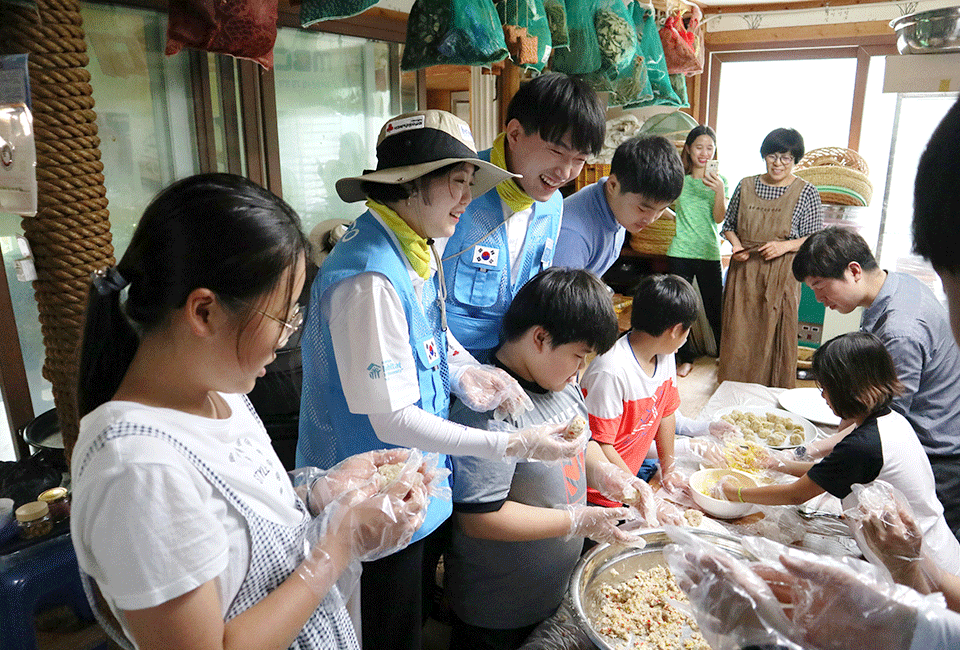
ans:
(275, 552)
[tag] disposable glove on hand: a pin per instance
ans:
(884, 520)
(668, 514)
(733, 606)
(319, 488)
(708, 451)
(672, 481)
(837, 608)
(842, 602)
(617, 485)
(719, 428)
(485, 388)
(368, 522)
(544, 442)
(600, 525)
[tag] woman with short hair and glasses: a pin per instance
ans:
(770, 215)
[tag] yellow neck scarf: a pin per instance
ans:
(414, 246)
(511, 193)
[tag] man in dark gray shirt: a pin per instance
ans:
(914, 327)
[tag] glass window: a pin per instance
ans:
(333, 95)
(914, 118)
(145, 115)
(813, 96)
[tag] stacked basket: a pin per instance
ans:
(839, 174)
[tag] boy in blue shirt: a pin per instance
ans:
(508, 235)
(518, 526)
(646, 176)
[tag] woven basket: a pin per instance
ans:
(655, 239)
(839, 185)
(833, 156)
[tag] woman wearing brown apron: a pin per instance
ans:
(769, 217)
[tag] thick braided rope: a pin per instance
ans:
(70, 236)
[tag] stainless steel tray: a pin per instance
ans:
(614, 564)
(927, 32)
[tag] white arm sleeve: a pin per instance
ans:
(411, 426)
(690, 427)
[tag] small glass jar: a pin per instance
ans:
(58, 501)
(34, 519)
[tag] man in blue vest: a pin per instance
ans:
(509, 234)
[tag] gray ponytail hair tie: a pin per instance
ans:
(108, 280)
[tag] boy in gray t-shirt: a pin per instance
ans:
(519, 526)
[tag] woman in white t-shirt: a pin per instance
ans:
(182, 513)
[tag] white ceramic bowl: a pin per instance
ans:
(703, 479)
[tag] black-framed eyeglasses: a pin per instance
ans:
(290, 325)
(784, 158)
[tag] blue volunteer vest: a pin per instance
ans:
(329, 431)
(477, 266)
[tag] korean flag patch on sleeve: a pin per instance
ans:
(486, 256)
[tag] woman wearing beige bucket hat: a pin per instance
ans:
(379, 365)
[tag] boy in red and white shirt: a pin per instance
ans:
(631, 391)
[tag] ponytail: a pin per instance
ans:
(108, 345)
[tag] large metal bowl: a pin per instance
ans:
(927, 32)
(614, 564)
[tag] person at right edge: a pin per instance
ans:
(770, 215)
(508, 235)
(836, 605)
(836, 263)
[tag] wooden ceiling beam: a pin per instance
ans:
(876, 33)
(784, 6)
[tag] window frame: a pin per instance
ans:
(862, 49)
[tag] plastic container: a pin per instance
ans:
(34, 520)
(702, 480)
(58, 501)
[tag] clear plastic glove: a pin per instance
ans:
(841, 602)
(618, 485)
(545, 442)
(669, 514)
(370, 521)
(720, 428)
(601, 525)
(725, 489)
(883, 520)
(733, 606)
(708, 452)
(672, 481)
(318, 488)
(837, 608)
(485, 388)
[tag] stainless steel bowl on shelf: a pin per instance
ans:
(607, 564)
(928, 32)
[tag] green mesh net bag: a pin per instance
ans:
(526, 30)
(582, 56)
(645, 21)
(557, 19)
(458, 32)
